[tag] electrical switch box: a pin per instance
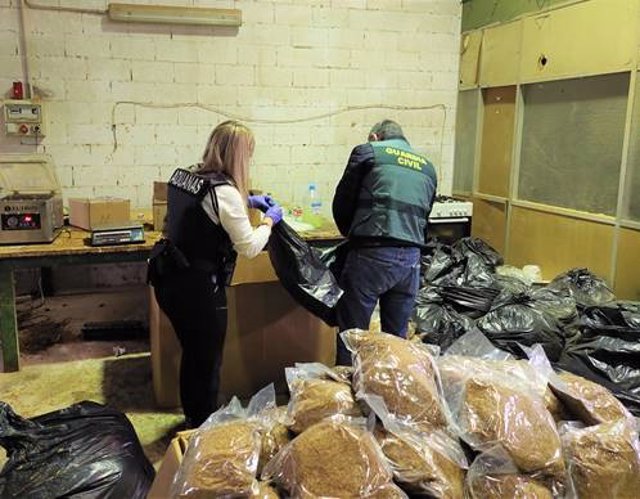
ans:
(23, 118)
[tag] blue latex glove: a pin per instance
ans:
(274, 213)
(262, 203)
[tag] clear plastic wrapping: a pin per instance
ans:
(222, 457)
(337, 457)
(586, 400)
(275, 435)
(317, 392)
(265, 491)
(424, 464)
(603, 461)
(402, 373)
(493, 475)
(498, 403)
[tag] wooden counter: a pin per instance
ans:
(71, 248)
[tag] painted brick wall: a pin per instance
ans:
(308, 76)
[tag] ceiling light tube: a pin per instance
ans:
(168, 14)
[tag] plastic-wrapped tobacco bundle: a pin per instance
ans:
(589, 401)
(492, 405)
(222, 456)
(402, 373)
(275, 435)
(603, 460)
(492, 475)
(337, 457)
(317, 392)
(423, 464)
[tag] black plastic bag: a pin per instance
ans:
(556, 303)
(585, 287)
(85, 451)
(444, 267)
(472, 302)
(515, 320)
(607, 350)
(623, 381)
(621, 315)
(475, 246)
(477, 273)
(470, 262)
(334, 257)
(303, 273)
(437, 322)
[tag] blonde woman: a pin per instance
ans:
(207, 226)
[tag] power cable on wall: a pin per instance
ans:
(226, 114)
(283, 121)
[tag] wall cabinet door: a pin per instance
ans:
(470, 45)
(497, 141)
(489, 222)
(628, 265)
(500, 60)
(558, 243)
(594, 37)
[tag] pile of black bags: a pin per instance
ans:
(576, 317)
(86, 450)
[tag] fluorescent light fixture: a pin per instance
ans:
(169, 14)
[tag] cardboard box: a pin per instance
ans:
(170, 464)
(160, 190)
(94, 213)
(266, 332)
(159, 205)
(159, 213)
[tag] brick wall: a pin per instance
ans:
(308, 76)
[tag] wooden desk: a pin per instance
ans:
(69, 248)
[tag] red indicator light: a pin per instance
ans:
(27, 218)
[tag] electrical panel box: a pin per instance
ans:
(23, 118)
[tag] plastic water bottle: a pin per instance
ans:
(314, 203)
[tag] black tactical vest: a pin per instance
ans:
(189, 227)
(395, 195)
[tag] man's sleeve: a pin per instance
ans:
(345, 200)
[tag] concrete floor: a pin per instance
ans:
(74, 370)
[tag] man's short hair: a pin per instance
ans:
(387, 129)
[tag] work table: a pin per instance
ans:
(71, 248)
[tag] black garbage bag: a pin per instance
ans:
(472, 302)
(477, 273)
(444, 267)
(556, 303)
(83, 451)
(480, 248)
(515, 319)
(303, 273)
(437, 322)
(334, 257)
(608, 348)
(585, 287)
(510, 284)
(620, 315)
(621, 379)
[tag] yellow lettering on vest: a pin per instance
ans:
(403, 161)
(393, 151)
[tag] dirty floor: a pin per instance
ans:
(70, 370)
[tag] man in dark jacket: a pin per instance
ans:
(381, 205)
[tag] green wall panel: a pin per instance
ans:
(479, 13)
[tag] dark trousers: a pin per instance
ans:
(390, 275)
(197, 309)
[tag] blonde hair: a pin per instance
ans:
(229, 150)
